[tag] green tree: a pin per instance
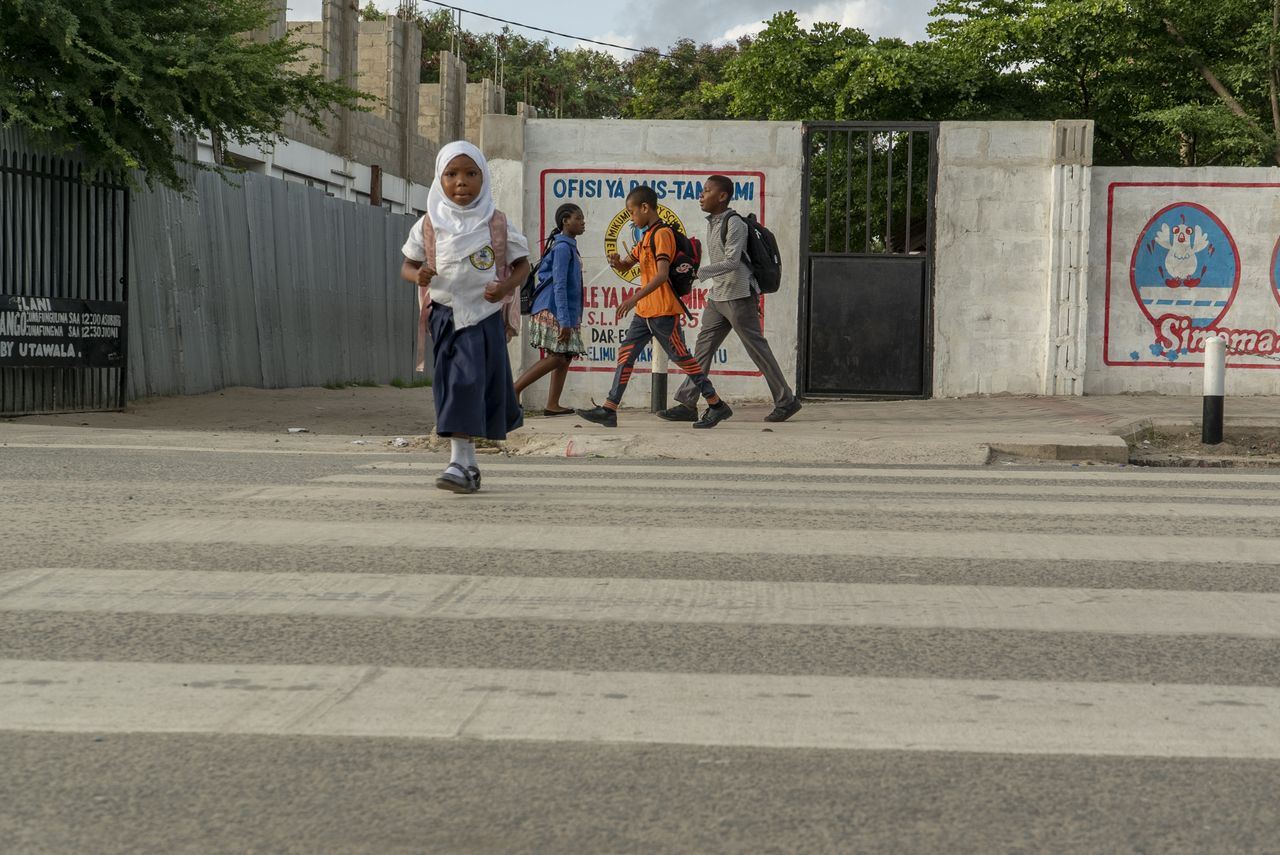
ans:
(838, 73)
(1230, 49)
(579, 84)
(782, 73)
(1165, 81)
(120, 78)
(680, 85)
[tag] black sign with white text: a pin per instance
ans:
(53, 332)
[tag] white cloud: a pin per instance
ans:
(727, 20)
(612, 38)
(735, 33)
(879, 18)
(660, 23)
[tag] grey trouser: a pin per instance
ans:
(743, 317)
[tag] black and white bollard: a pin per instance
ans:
(1215, 381)
(658, 380)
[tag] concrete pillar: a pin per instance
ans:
(1067, 348)
(408, 72)
(341, 29)
(483, 98)
(442, 106)
(278, 24)
(389, 57)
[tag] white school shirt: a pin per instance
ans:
(460, 282)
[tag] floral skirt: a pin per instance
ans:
(544, 334)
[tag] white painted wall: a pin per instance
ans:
(1130, 270)
(697, 149)
(994, 249)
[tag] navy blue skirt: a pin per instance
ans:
(472, 386)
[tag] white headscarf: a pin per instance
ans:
(460, 231)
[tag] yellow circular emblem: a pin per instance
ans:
(483, 260)
(622, 237)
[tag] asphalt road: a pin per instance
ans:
(236, 651)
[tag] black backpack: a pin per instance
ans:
(683, 269)
(761, 253)
(532, 285)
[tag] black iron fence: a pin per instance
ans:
(63, 284)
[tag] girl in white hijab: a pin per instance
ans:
(472, 260)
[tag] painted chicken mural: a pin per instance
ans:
(1182, 267)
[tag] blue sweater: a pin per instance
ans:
(560, 283)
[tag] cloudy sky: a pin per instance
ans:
(661, 22)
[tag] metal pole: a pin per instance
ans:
(1215, 379)
(658, 380)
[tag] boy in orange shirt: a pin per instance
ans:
(658, 312)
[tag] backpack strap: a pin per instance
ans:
(724, 233)
(498, 243)
(648, 235)
(424, 295)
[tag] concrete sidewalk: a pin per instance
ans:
(947, 431)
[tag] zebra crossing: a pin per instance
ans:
(665, 554)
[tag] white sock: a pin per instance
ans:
(462, 452)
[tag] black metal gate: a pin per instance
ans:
(867, 273)
(63, 284)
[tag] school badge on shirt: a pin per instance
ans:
(483, 260)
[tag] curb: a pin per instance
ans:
(876, 450)
(1108, 449)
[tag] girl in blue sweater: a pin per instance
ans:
(556, 316)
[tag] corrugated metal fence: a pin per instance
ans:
(63, 262)
(253, 281)
(245, 281)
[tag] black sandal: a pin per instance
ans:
(456, 479)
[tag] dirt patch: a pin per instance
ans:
(354, 411)
(1241, 446)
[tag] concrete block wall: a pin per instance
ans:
(310, 33)
(381, 59)
(409, 121)
(994, 245)
(533, 161)
(376, 53)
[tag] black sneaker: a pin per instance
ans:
(781, 414)
(474, 472)
(715, 414)
(601, 416)
(679, 413)
(456, 479)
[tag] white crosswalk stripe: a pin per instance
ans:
(755, 710)
(747, 541)
(800, 710)
(646, 600)
(920, 503)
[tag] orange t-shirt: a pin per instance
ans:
(657, 244)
